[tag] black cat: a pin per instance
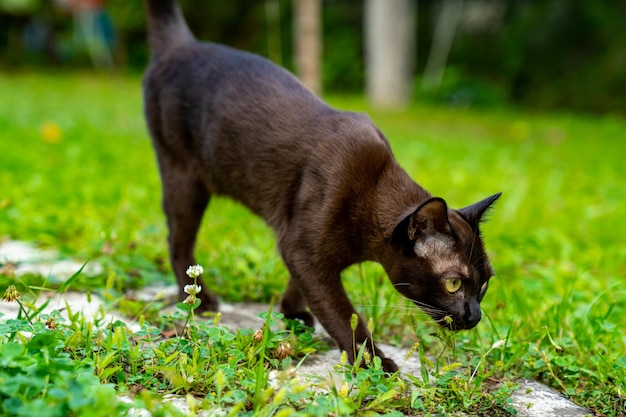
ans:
(226, 122)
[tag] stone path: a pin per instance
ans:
(531, 399)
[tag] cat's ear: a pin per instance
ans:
(429, 219)
(474, 213)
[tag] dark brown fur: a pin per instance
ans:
(226, 122)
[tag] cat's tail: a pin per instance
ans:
(167, 28)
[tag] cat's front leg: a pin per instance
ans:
(326, 297)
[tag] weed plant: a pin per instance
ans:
(78, 174)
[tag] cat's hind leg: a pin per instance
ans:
(185, 199)
(293, 305)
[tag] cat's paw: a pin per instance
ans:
(303, 316)
(208, 302)
(389, 366)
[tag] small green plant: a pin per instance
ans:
(39, 377)
(72, 365)
(365, 387)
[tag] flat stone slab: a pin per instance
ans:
(533, 399)
(28, 259)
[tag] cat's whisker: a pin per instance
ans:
(427, 308)
(420, 304)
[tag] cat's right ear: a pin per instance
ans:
(474, 213)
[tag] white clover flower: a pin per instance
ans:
(194, 271)
(192, 289)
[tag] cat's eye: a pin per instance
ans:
(453, 285)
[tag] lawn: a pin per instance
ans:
(78, 174)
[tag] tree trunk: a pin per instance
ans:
(389, 48)
(308, 42)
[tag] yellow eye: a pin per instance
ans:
(453, 285)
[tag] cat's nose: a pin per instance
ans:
(472, 315)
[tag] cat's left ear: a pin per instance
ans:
(474, 213)
(429, 219)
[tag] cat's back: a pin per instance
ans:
(214, 97)
(255, 132)
(226, 82)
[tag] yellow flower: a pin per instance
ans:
(51, 132)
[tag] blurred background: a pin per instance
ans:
(549, 54)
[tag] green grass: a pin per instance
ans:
(555, 236)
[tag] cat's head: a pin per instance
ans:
(439, 261)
